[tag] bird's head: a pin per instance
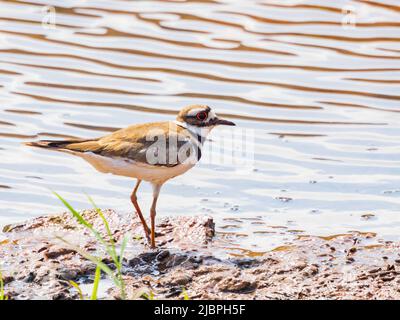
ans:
(201, 117)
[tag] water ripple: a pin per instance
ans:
(321, 97)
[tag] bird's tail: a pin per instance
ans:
(50, 144)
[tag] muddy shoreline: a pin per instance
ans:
(36, 264)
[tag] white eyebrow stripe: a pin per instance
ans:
(194, 112)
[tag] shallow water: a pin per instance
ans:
(321, 95)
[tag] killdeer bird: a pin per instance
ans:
(153, 152)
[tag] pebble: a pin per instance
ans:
(353, 250)
(350, 260)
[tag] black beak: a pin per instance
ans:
(223, 122)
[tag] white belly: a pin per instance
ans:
(133, 169)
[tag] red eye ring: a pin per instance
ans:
(201, 116)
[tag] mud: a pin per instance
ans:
(37, 264)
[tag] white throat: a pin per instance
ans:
(199, 131)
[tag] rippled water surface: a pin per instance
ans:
(322, 96)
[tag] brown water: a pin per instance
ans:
(322, 96)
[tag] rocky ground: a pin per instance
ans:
(37, 264)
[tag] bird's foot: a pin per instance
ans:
(147, 234)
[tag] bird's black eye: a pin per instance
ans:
(201, 116)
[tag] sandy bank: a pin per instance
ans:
(38, 265)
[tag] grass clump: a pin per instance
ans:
(109, 246)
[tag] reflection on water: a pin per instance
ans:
(317, 80)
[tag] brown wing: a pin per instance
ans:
(132, 142)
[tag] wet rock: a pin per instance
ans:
(62, 295)
(374, 270)
(158, 261)
(55, 252)
(232, 284)
(310, 270)
(300, 266)
(180, 279)
(163, 255)
(7, 279)
(67, 274)
(196, 259)
(388, 279)
(390, 267)
(173, 292)
(30, 277)
(172, 261)
(246, 263)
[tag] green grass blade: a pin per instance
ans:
(95, 260)
(2, 295)
(114, 255)
(107, 226)
(82, 221)
(78, 288)
(119, 266)
(109, 246)
(185, 294)
(75, 213)
(96, 283)
(148, 296)
(123, 247)
(112, 250)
